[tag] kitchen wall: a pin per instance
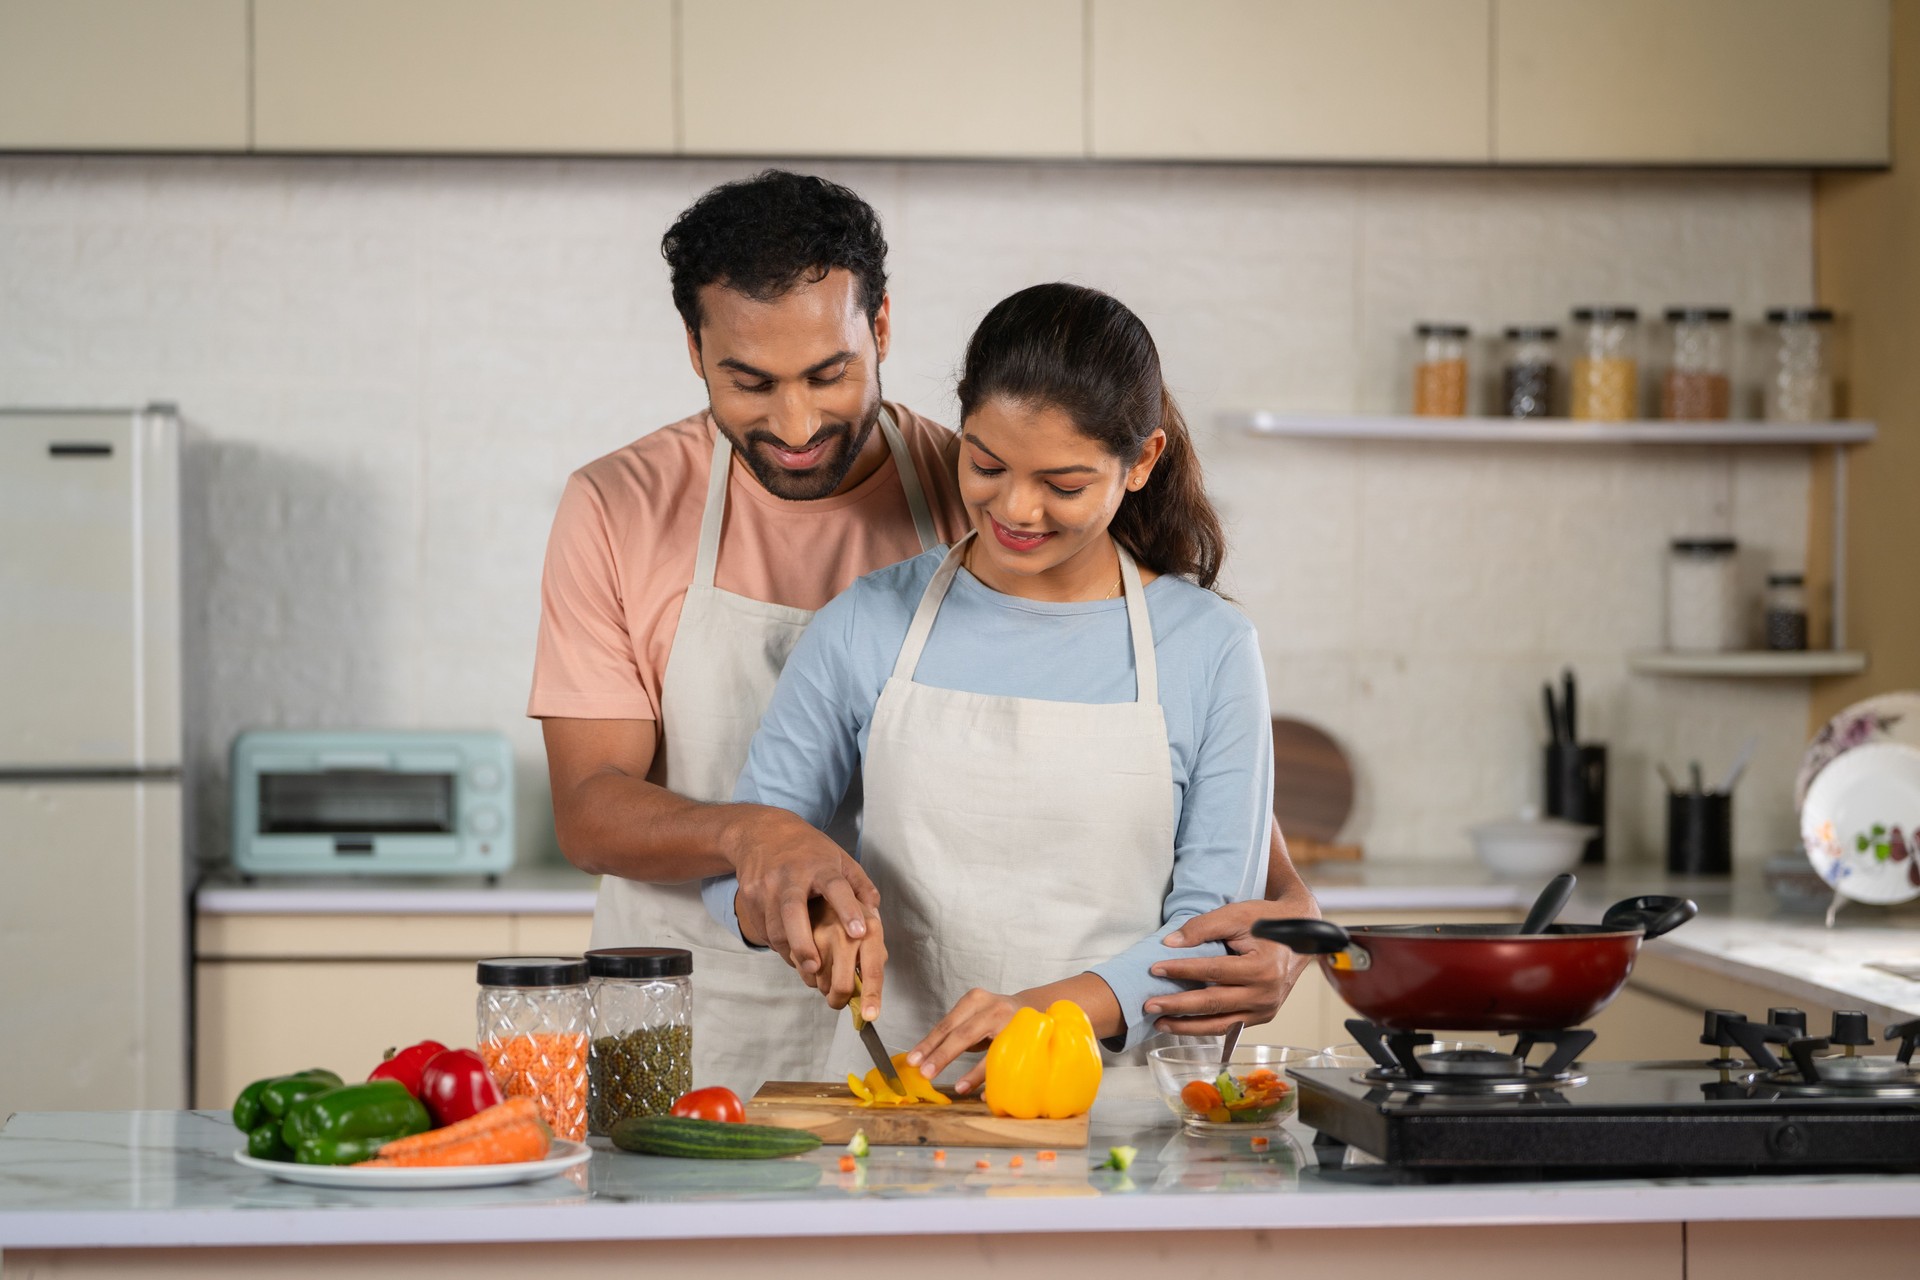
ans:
(390, 366)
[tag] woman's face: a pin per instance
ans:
(1041, 495)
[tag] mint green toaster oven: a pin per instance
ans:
(379, 802)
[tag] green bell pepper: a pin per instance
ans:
(335, 1127)
(265, 1143)
(254, 1106)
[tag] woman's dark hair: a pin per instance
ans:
(1081, 351)
(763, 235)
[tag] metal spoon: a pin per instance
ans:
(1548, 904)
(1228, 1045)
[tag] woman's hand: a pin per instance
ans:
(1247, 986)
(968, 1027)
(844, 958)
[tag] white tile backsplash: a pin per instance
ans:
(389, 367)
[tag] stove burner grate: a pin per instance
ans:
(1468, 1071)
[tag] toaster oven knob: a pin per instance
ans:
(485, 777)
(485, 822)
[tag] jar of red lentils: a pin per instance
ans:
(534, 1023)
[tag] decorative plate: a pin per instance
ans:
(565, 1156)
(1886, 717)
(1861, 823)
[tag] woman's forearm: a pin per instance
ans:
(1088, 990)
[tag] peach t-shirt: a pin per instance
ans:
(621, 555)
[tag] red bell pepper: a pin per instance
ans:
(456, 1084)
(406, 1064)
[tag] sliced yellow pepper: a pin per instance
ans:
(1044, 1064)
(918, 1087)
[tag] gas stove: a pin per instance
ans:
(1831, 1103)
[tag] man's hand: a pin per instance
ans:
(1247, 986)
(783, 865)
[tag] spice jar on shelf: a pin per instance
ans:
(1606, 364)
(1697, 384)
(642, 1057)
(1528, 371)
(1703, 596)
(1440, 370)
(1785, 612)
(1799, 364)
(533, 1023)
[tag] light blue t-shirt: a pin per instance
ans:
(1213, 692)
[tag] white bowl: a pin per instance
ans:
(1526, 848)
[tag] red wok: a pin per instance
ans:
(1473, 977)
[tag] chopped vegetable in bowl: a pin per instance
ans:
(1250, 1090)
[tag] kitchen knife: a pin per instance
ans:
(870, 1038)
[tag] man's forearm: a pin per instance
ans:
(615, 824)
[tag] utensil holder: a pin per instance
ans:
(1699, 833)
(1576, 790)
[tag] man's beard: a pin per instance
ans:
(817, 481)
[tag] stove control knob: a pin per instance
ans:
(1788, 1140)
(1715, 1032)
(1792, 1019)
(1850, 1026)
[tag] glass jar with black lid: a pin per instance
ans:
(533, 1021)
(1606, 364)
(1697, 384)
(642, 1056)
(1529, 370)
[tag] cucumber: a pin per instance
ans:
(709, 1139)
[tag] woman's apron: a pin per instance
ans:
(1015, 841)
(753, 1019)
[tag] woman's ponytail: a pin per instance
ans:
(1168, 524)
(1083, 352)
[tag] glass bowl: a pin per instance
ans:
(1188, 1077)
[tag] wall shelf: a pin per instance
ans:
(1556, 431)
(1757, 664)
(1837, 661)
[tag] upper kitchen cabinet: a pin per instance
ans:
(123, 75)
(1349, 80)
(1767, 82)
(884, 77)
(534, 76)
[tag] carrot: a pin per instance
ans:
(510, 1133)
(848, 1164)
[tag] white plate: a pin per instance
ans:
(1886, 717)
(565, 1156)
(1861, 823)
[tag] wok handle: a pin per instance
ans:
(1308, 937)
(1652, 914)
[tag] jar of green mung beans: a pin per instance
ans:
(641, 1058)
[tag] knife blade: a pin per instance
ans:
(870, 1038)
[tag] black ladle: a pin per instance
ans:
(1548, 904)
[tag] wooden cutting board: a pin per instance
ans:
(831, 1112)
(1312, 781)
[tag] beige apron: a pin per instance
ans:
(1015, 841)
(753, 1020)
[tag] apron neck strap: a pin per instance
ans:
(909, 480)
(715, 512)
(713, 515)
(1139, 626)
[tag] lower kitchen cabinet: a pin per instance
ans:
(279, 993)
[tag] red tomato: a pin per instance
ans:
(710, 1104)
(455, 1084)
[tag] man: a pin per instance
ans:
(680, 573)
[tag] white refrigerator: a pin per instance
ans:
(93, 882)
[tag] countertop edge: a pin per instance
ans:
(1451, 1206)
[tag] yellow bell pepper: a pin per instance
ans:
(874, 1091)
(1044, 1064)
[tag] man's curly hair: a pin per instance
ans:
(762, 236)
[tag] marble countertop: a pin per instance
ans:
(168, 1179)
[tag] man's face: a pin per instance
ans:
(794, 382)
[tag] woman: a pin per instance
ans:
(1062, 731)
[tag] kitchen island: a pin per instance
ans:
(158, 1194)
